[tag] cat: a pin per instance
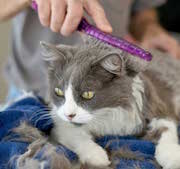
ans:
(96, 90)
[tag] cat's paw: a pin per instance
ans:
(95, 156)
(168, 156)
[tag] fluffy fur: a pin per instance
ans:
(130, 98)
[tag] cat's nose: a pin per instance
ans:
(71, 116)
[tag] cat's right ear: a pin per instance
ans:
(51, 52)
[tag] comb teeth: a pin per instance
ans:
(34, 5)
(120, 43)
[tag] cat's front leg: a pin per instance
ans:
(91, 153)
(167, 151)
(80, 141)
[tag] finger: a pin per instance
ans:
(173, 50)
(95, 10)
(44, 12)
(58, 10)
(170, 45)
(73, 17)
(165, 44)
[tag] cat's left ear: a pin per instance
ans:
(120, 62)
(113, 63)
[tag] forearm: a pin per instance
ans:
(10, 8)
(141, 21)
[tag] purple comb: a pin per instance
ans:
(120, 43)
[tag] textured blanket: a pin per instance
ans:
(142, 152)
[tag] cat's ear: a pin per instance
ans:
(120, 62)
(133, 64)
(51, 52)
(55, 54)
(113, 63)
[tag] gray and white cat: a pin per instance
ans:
(97, 90)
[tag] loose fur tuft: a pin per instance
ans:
(28, 133)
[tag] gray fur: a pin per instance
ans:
(130, 96)
(93, 74)
(111, 73)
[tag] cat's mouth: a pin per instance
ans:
(79, 120)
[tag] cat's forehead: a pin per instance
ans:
(82, 62)
(81, 71)
(91, 53)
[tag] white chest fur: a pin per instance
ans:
(116, 121)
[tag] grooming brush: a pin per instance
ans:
(117, 42)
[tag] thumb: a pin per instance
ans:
(95, 10)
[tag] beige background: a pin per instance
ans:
(4, 36)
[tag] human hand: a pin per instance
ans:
(155, 37)
(64, 16)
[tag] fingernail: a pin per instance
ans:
(109, 28)
(106, 28)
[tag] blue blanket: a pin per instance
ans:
(24, 109)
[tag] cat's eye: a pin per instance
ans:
(58, 92)
(88, 95)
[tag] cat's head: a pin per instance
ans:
(85, 80)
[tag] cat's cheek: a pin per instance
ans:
(82, 117)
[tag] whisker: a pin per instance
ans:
(48, 122)
(41, 119)
(39, 112)
(45, 116)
